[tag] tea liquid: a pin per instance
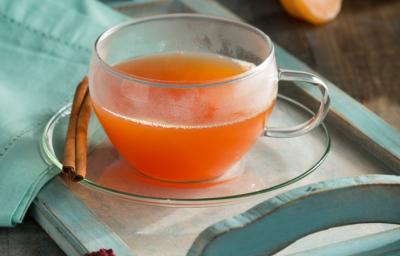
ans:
(182, 153)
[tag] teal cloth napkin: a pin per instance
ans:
(45, 49)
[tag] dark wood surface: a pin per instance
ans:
(26, 239)
(359, 51)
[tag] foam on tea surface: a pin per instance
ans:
(185, 132)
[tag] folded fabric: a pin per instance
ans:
(45, 49)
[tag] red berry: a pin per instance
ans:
(101, 252)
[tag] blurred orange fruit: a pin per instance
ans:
(315, 11)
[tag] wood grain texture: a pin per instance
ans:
(358, 51)
(155, 230)
(71, 224)
(98, 203)
(27, 239)
(383, 243)
(357, 122)
(274, 224)
(375, 135)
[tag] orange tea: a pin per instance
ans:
(200, 143)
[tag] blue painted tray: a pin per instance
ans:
(86, 220)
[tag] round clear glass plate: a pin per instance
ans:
(271, 164)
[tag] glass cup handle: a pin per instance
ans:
(299, 76)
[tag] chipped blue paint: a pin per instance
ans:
(274, 224)
(56, 208)
(71, 224)
(384, 243)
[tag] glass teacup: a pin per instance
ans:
(183, 97)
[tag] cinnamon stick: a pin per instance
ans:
(69, 148)
(69, 165)
(81, 138)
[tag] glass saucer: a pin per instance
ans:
(271, 164)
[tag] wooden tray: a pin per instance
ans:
(85, 220)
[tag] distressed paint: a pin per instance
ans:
(373, 133)
(383, 243)
(274, 224)
(73, 227)
(58, 217)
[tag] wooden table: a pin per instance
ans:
(27, 238)
(359, 52)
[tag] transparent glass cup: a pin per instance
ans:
(192, 132)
